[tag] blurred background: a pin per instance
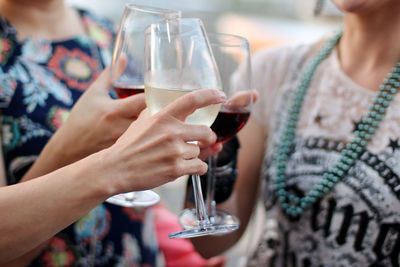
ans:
(266, 24)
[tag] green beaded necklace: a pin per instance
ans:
(293, 205)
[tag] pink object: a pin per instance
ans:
(177, 252)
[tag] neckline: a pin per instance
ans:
(334, 58)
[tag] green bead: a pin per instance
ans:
(281, 192)
(314, 194)
(367, 136)
(348, 160)
(338, 172)
(335, 178)
(389, 97)
(371, 130)
(312, 199)
(319, 187)
(325, 190)
(304, 205)
(299, 210)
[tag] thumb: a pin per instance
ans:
(131, 107)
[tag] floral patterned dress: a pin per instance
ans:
(40, 80)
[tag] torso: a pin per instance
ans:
(358, 223)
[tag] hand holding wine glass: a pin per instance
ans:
(179, 61)
(232, 56)
(159, 148)
(94, 114)
(129, 46)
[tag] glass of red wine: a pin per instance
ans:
(129, 43)
(232, 55)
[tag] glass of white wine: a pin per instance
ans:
(179, 60)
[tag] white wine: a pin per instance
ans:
(157, 99)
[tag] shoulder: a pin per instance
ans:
(276, 65)
(91, 19)
(100, 30)
(284, 56)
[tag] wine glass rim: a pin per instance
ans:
(154, 10)
(223, 39)
(165, 23)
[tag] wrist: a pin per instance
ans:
(99, 170)
(57, 151)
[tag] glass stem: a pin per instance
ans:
(201, 211)
(210, 199)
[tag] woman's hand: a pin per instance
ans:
(97, 121)
(157, 149)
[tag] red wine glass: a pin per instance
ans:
(232, 55)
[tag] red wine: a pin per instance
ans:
(229, 122)
(125, 91)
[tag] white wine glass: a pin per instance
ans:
(232, 56)
(179, 60)
(130, 44)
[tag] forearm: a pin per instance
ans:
(36, 210)
(53, 156)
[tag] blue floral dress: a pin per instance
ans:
(40, 81)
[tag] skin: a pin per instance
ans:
(366, 26)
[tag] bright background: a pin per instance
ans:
(265, 23)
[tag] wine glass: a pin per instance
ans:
(232, 55)
(179, 60)
(130, 44)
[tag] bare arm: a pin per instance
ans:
(245, 193)
(38, 209)
(156, 147)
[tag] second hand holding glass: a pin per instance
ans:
(179, 60)
(232, 55)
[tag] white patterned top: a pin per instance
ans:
(358, 223)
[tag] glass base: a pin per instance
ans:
(135, 199)
(223, 217)
(222, 224)
(209, 229)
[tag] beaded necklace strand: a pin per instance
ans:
(294, 205)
